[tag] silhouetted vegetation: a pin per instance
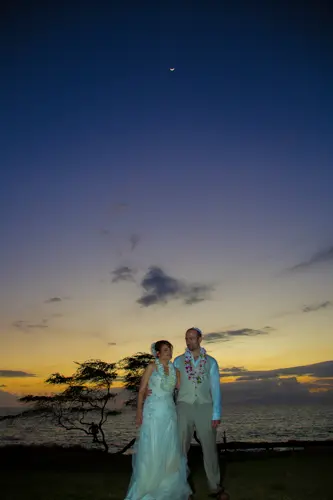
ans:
(134, 366)
(82, 404)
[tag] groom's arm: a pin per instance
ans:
(176, 362)
(215, 390)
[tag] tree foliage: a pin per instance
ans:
(83, 400)
(133, 368)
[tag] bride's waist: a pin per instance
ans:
(159, 397)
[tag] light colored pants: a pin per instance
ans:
(199, 417)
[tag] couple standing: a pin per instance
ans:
(166, 430)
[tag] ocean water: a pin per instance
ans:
(240, 422)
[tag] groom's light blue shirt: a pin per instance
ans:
(215, 388)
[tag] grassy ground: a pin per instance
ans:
(75, 474)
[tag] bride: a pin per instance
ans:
(159, 469)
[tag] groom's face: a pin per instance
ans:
(192, 339)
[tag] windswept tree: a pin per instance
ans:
(133, 368)
(83, 403)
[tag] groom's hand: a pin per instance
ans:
(215, 423)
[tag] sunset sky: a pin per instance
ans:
(137, 202)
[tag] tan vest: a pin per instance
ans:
(189, 392)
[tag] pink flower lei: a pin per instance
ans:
(195, 374)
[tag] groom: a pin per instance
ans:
(199, 405)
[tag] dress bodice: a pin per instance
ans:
(162, 388)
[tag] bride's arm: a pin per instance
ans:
(142, 391)
(178, 379)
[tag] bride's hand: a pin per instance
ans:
(138, 419)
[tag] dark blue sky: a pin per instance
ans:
(222, 169)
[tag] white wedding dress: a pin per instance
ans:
(159, 469)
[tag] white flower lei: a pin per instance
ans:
(195, 373)
(167, 381)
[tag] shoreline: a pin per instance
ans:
(21, 451)
(222, 446)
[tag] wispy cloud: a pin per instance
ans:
(317, 307)
(134, 241)
(327, 304)
(227, 335)
(123, 273)
(322, 257)
(258, 376)
(26, 326)
(53, 300)
(118, 208)
(160, 288)
(105, 232)
(15, 374)
(320, 370)
(233, 371)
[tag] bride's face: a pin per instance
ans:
(165, 353)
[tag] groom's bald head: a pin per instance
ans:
(195, 329)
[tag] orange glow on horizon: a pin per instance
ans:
(25, 386)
